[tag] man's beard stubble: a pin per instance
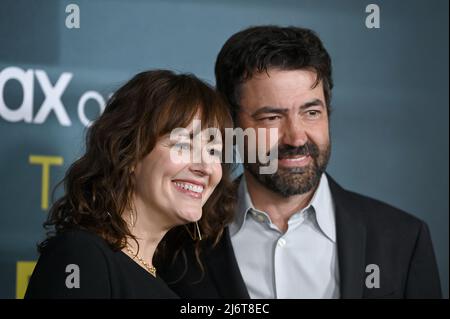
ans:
(288, 181)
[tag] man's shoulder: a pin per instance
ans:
(381, 210)
(375, 211)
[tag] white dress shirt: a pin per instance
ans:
(300, 263)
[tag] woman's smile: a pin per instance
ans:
(193, 189)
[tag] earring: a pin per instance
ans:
(133, 221)
(197, 234)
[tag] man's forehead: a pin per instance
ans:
(282, 85)
(277, 73)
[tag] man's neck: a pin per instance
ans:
(279, 208)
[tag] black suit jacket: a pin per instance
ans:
(368, 232)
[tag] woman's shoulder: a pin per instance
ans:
(72, 264)
(77, 242)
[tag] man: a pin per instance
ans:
(297, 233)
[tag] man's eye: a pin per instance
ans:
(313, 114)
(271, 118)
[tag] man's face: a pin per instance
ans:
(287, 100)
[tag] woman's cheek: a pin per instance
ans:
(218, 174)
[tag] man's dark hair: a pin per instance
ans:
(258, 49)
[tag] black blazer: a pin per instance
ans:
(368, 232)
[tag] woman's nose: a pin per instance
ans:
(201, 169)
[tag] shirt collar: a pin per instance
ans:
(244, 205)
(322, 204)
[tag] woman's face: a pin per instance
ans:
(174, 190)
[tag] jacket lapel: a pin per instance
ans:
(351, 241)
(224, 270)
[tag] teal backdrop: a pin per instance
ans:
(390, 124)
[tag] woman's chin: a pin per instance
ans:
(190, 216)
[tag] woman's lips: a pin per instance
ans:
(295, 161)
(195, 191)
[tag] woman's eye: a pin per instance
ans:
(214, 152)
(183, 146)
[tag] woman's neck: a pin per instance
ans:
(148, 231)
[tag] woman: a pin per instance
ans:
(129, 190)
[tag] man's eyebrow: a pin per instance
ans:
(278, 110)
(269, 109)
(315, 102)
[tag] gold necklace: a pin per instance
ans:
(150, 269)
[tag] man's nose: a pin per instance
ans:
(293, 133)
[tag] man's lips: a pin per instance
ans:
(294, 161)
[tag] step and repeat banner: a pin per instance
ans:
(60, 61)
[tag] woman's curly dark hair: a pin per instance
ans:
(99, 187)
